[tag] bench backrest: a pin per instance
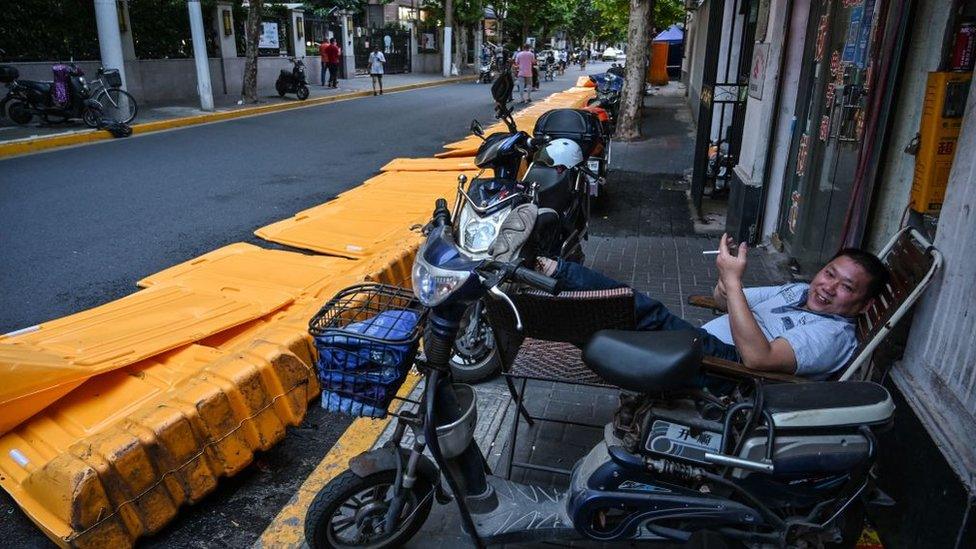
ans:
(912, 261)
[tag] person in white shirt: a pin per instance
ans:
(376, 62)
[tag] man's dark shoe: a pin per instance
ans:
(513, 233)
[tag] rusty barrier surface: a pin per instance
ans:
(184, 380)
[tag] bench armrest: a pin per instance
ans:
(705, 301)
(720, 366)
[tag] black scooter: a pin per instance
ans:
(26, 99)
(562, 194)
(293, 81)
(783, 465)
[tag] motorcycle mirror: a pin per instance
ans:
(477, 129)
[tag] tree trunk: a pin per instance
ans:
(249, 88)
(460, 41)
(525, 31)
(638, 46)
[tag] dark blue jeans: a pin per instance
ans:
(651, 313)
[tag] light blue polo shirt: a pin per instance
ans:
(822, 343)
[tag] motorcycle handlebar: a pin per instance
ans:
(535, 279)
(442, 216)
(538, 142)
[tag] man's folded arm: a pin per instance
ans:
(756, 352)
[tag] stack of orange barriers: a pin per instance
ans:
(114, 417)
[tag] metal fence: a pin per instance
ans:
(395, 45)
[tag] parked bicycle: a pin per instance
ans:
(116, 104)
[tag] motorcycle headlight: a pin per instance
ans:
(432, 284)
(477, 233)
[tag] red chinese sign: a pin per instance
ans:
(835, 68)
(801, 155)
(824, 127)
(794, 211)
(821, 39)
(829, 95)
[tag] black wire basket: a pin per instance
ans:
(112, 78)
(367, 338)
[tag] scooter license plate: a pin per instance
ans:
(681, 441)
(593, 165)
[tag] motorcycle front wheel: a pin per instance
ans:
(351, 510)
(302, 92)
(475, 356)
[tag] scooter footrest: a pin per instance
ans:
(524, 513)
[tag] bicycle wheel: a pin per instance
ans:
(118, 105)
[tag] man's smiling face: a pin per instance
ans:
(840, 288)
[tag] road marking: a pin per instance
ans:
(287, 530)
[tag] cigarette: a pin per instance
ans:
(710, 252)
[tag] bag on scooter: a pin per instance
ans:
(367, 338)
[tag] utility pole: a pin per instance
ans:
(448, 39)
(204, 88)
(109, 37)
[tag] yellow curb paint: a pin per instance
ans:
(37, 144)
(287, 530)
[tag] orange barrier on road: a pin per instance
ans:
(361, 222)
(41, 364)
(115, 459)
(428, 165)
(189, 417)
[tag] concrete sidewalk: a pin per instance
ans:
(226, 105)
(642, 234)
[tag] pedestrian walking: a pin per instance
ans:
(376, 62)
(525, 62)
(324, 59)
(333, 54)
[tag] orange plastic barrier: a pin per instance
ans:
(428, 165)
(43, 363)
(190, 417)
(657, 72)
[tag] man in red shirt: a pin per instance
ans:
(324, 57)
(332, 54)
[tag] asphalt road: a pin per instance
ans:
(79, 226)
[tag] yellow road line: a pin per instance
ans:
(36, 144)
(287, 530)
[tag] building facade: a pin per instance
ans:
(851, 119)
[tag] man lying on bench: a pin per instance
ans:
(797, 328)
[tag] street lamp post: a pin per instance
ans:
(109, 36)
(204, 88)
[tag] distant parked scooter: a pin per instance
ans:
(293, 81)
(68, 96)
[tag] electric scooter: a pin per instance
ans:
(293, 81)
(778, 465)
(564, 160)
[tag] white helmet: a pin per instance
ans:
(561, 152)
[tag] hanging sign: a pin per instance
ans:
(829, 95)
(864, 35)
(853, 32)
(757, 76)
(269, 36)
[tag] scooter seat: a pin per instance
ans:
(828, 404)
(644, 361)
(40, 86)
